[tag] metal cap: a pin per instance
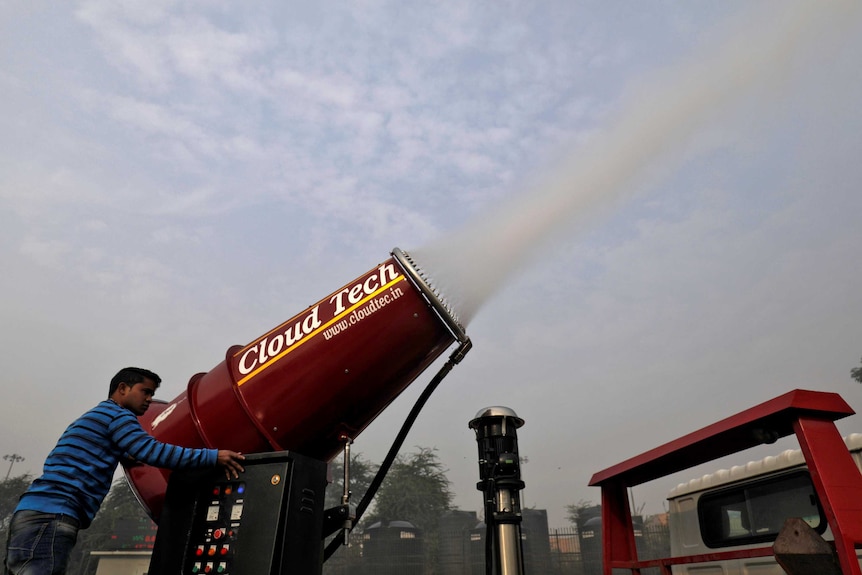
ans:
(496, 411)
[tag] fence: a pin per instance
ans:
(564, 551)
(458, 548)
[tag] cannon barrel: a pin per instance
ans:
(303, 386)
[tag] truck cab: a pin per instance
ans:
(745, 507)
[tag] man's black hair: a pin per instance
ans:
(131, 376)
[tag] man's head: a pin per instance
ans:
(133, 388)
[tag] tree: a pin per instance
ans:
(119, 505)
(416, 489)
(361, 474)
(10, 490)
(856, 373)
(576, 512)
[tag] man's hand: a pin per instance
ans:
(230, 460)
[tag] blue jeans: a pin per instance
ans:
(40, 543)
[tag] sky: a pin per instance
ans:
(647, 213)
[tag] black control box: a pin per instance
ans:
(269, 521)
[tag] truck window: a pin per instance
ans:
(755, 512)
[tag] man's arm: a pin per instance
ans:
(127, 433)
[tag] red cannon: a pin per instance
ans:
(317, 378)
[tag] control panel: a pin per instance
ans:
(269, 521)
(214, 536)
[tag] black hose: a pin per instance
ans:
(338, 540)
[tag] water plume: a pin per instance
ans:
(759, 53)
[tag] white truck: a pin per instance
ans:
(745, 507)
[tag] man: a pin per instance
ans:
(79, 470)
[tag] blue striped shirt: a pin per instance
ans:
(79, 470)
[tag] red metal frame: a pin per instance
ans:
(810, 415)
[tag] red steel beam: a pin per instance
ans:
(808, 414)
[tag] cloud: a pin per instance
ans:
(180, 177)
